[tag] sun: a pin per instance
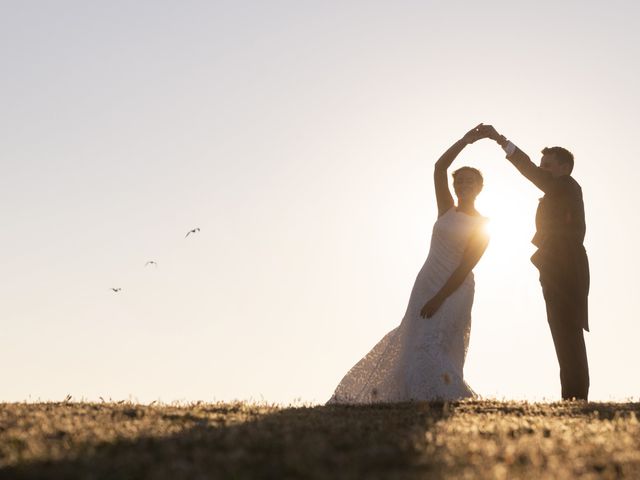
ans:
(510, 205)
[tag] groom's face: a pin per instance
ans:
(550, 163)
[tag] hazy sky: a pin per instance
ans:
(300, 137)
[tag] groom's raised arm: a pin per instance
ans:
(539, 177)
(536, 175)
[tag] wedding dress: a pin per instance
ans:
(423, 358)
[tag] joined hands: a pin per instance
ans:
(481, 131)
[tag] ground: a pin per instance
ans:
(471, 439)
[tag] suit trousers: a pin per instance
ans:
(568, 339)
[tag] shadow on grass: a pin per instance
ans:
(597, 410)
(382, 441)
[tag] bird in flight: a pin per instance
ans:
(151, 262)
(194, 230)
(116, 289)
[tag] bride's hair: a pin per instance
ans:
(475, 171)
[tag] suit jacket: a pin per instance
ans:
(560, 229)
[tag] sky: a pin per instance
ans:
(300, 138)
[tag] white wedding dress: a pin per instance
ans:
(423, 358)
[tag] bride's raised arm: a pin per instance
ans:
(440, 180)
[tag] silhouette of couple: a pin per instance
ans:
(423, 358)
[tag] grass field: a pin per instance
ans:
(478, 439)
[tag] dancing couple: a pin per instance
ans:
(423, 358)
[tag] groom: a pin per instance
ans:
(561, 258)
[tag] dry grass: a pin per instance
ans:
(482, 439)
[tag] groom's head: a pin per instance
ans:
(557, 160)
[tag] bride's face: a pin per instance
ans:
(467, 185)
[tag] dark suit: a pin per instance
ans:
(564, 270)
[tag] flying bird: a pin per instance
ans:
(151, 262)
(192, 231)
(116, 289)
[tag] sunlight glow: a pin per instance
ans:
(508, 220)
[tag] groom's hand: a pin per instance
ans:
(431, 307)
(488, 131)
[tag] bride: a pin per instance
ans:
(423, 358)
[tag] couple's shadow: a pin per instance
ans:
(239, 441)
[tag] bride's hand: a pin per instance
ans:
(431, 307)
(476, 133)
